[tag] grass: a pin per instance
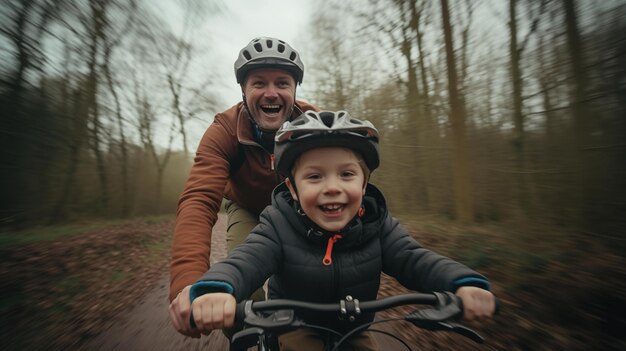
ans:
(48, 233)
(118, 276)
(9, 239)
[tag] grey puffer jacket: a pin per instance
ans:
(285, 248)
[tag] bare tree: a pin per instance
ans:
(460, 158)
(147, 118)
(578, 106)
(176, 55)
(109, 45)
(23, 25)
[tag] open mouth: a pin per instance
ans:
(331, 208)
(271, 108)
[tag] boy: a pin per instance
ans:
(328, 234)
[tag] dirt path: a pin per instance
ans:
(147, 326)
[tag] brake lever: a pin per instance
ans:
(448, 306)
(466, 332)
(275, 320)
(244, 339)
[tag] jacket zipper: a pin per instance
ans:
(328, 259)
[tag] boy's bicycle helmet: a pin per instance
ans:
(324, 129)
(266, 52)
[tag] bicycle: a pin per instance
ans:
(263, 321)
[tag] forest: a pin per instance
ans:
(489, 113)
(492, 113)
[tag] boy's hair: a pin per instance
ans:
(325, 129)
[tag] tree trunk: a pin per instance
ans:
(463, 197)
(120, 126)
(97, 15)
(579, 111)
(518, 118)
(76, 137)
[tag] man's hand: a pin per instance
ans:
(478, 303)
(180, 312)
(214, 311)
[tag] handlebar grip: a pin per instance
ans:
(240, 311)
(498, 306)
(192, 321)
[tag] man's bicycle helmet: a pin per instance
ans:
(266, 52)
(324, 129)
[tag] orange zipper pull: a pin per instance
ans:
(272, 161)
(327, 261)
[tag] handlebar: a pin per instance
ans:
(445, 307)
(349, 307)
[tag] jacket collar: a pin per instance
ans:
(360, 230)
(245, 131)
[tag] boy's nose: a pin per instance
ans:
(332, 186)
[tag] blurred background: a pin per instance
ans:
(501, 121)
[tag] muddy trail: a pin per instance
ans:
(147, 326)
(106, 288)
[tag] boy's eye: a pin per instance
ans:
(348, 174)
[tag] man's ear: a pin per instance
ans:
(291, 189)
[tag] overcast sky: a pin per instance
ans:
(247, 19)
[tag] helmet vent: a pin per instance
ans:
(247, 55)
(281, 48)
(328, 119)
(269, 43)
(258, 47)
(299, 122)
(293, 56)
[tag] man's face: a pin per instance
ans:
(270, 95)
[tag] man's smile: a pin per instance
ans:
(271, 108)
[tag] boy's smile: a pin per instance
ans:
(330, 184)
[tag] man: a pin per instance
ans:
(234, 162)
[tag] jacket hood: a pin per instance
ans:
(358, 231)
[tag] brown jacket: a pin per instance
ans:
(210, 180)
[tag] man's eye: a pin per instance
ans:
(284, 84)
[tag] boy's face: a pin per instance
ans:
(331, 185)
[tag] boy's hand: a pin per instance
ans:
(477, 303)
(214, 311)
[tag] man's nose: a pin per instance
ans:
(271, 92)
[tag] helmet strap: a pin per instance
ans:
(292, 182)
